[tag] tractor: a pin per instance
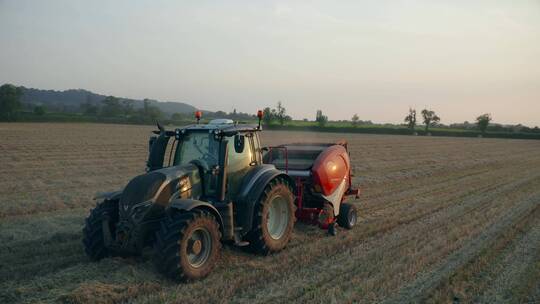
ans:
(208, 184)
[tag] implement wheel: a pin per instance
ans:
(348, 216)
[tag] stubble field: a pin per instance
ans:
(441, 220)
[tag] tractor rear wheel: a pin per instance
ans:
(93, 239)
(187, 245)
(274, 218)
(348, 216)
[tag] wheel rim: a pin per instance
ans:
(352, 218)
(199, 246)
(278, 217)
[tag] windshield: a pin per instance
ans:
(197, 146)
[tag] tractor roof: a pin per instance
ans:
(221, 125)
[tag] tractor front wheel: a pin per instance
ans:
(93, 239)
(187, 245)
(274, 218)
(348, 216)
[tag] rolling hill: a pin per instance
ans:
(71, 100)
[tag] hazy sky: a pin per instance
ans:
(374, 58)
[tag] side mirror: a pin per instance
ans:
(151, 141)
(160, 127)
(239, 143)
(157, 147)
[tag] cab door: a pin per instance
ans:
(241, 158)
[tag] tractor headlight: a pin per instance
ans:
(184, 187)
(184, 184)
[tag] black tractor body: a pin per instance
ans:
(196, 175)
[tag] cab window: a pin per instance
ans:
(197, 146)
(238, 164)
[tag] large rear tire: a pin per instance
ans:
(274, 218)
(187, 245)
(93, 240)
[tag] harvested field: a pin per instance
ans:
(442, 220)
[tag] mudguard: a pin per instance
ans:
(190, 204)
(252, 188)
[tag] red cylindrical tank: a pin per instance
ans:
(331, 168)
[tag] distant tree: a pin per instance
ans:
(482, 122)
(287, 118)
(149, 112)
(410, 119)
(321, 119)
(127, 107)
(39, 110)
(111, 107)
(89, 108)
(177, 116)
(233, 115)
(355, 119)
(10, 101)
(220, 114)
(527, 130)
(430, 118)
(280, 113)
(268, 116)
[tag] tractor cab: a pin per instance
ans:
(223, 151)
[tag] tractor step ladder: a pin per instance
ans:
(237, 239)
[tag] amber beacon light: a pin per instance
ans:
(198, 115)
(260, 116)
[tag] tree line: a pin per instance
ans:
(428, 119)
(115, 107)
(279, 115)
(124, 110)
